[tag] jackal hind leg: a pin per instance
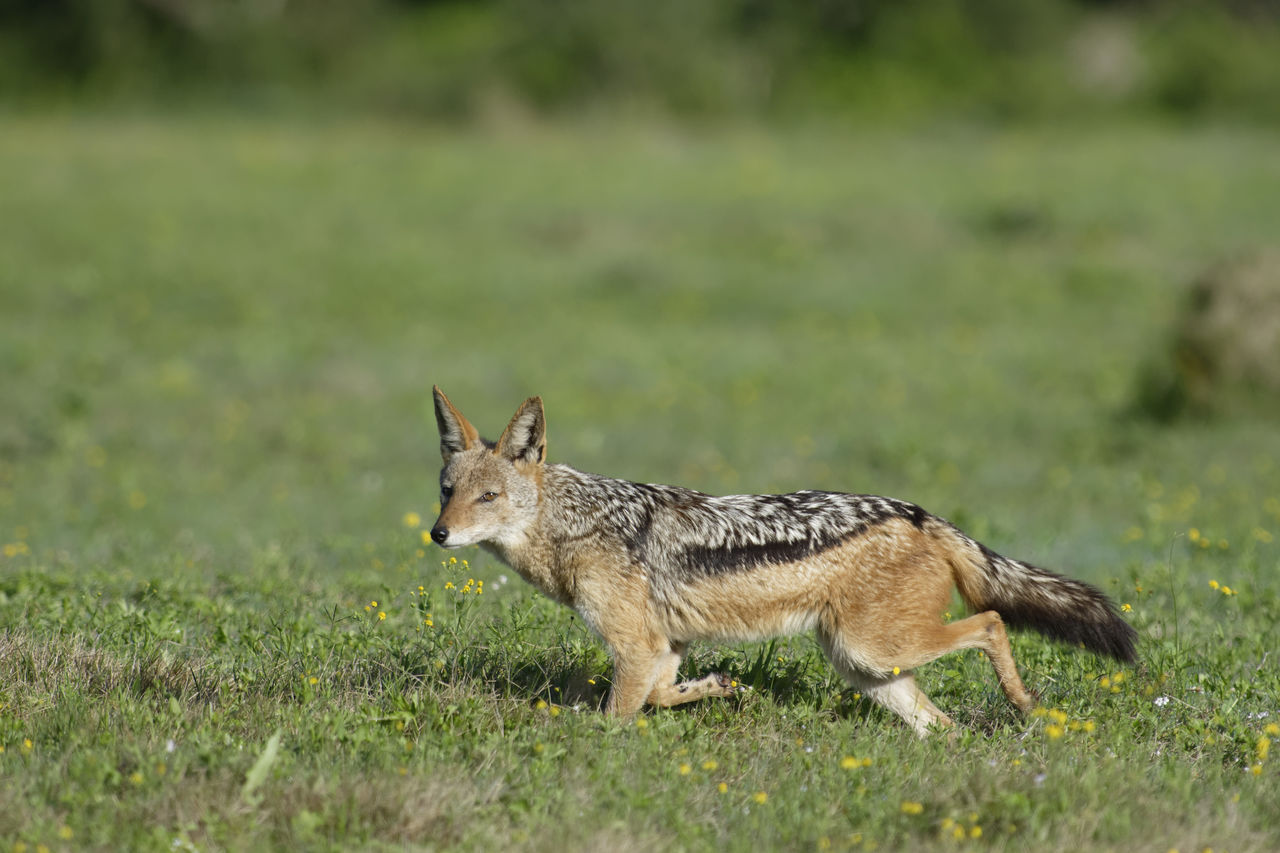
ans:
(897, 693)
(900, 694)
(986, 631)
(667, 692)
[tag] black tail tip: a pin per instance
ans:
(1116, 639)
(1103, 632)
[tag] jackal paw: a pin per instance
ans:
(726, 686)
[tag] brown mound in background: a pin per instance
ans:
(1226, 343)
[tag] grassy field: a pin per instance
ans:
(220, 627)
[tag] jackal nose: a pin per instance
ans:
(439, 534)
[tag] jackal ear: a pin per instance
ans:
(456, 432)
(525, 438)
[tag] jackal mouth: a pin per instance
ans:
(464, 539)
(446, 538)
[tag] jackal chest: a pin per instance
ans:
(540, 570)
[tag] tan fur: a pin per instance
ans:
(874, 601)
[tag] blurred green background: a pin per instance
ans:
(935, 249)
(926, 248)
(943, 251)
(999, 59)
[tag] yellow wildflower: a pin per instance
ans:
(382, 615)
(1053, 731)
(1127, 608)
(685, 769)
(760, 797)
(412, 520)
(722, 788)
(909, 807)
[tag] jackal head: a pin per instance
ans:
(488, 491)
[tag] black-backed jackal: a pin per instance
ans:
(654, 568)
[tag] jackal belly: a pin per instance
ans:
(728, 626)
(746, 606)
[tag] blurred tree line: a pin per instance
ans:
(1001, 58)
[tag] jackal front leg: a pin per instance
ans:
(646, 672)
(667, 693)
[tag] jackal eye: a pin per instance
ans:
(446, 492)
(487, 497)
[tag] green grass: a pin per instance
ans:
(217, 341)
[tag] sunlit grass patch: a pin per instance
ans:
(218, 474)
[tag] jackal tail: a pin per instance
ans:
(1027, 596)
